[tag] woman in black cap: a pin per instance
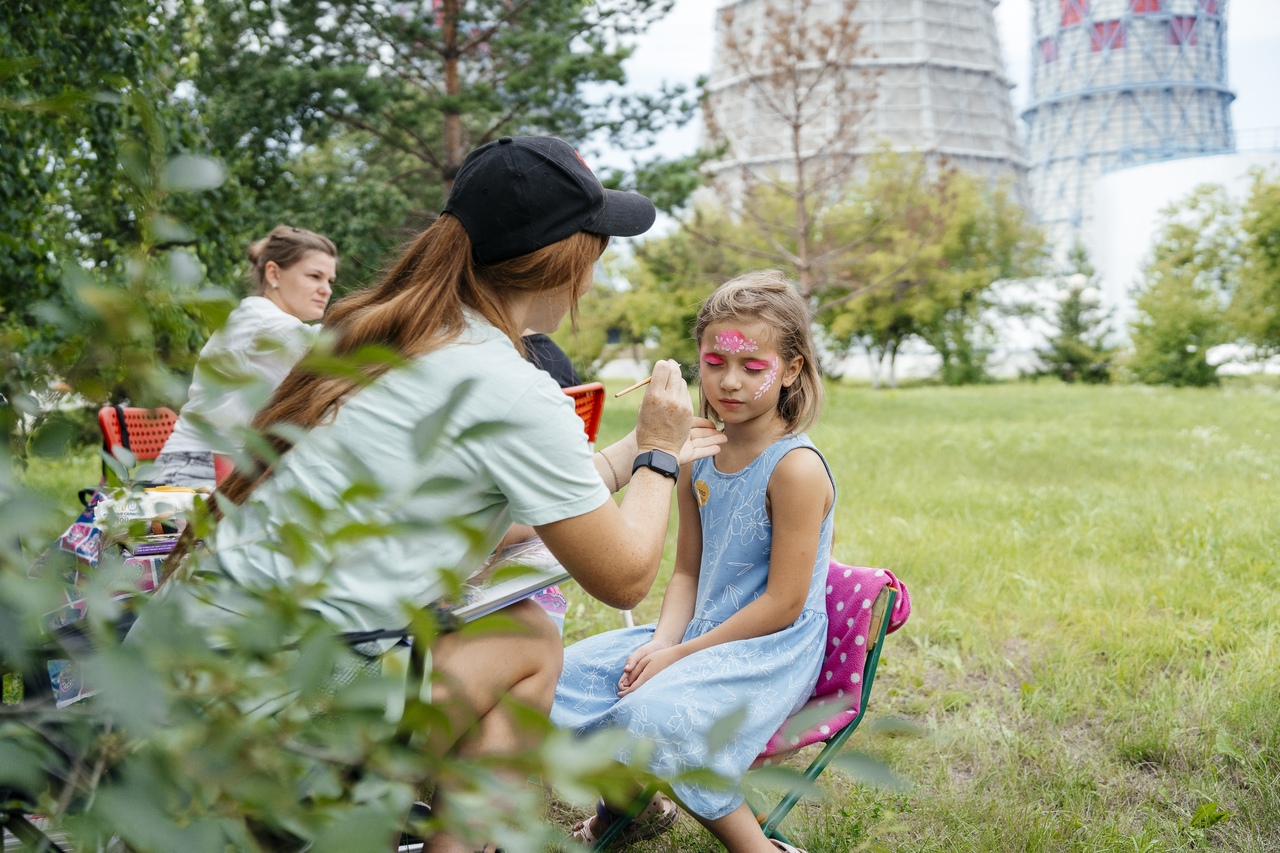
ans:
(514, 250)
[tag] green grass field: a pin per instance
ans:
(1093, 660)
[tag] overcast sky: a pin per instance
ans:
(678, 48)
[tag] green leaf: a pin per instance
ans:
(869, 769)
(187, 173)
(1209, 814)
(430, 430)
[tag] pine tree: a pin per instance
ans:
(1078, 352)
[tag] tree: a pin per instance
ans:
(936, 242)
(95, 178)
(796, 80)
(1078, 352)
(1189, 280)
(424, 82)
(1254, 310)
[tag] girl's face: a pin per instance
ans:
(742, 372)
(304, 288)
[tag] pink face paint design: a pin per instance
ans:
(768, 380)
(712, 358)
(732, 341)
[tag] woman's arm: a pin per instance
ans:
(800, 495)
(614, 550)
(614, 462)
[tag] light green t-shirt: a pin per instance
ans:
(535, 470)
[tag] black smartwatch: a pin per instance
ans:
(657, 460)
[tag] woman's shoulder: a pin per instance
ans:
(254, 318)
(493, 371)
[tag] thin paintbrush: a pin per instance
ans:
(640, 384)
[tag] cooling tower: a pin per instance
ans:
(1118, 83)
(940, 86)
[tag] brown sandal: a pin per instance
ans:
(658, 815)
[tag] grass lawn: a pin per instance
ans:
(1093, 659)
(1094, 652)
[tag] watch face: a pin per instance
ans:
(660, 461)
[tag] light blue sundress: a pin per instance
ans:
(767, 677)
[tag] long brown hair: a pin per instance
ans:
(285, 245)
(769, 297)
(416, 308)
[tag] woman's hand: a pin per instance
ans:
(666, 413)
(646, 662)
(704, 440)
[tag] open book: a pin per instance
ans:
(516, 572)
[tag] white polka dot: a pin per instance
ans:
(839, 606)
(879, 573)
(826, 730)
(839, 693)
(859, 640)
(821, 702)
(828, 590)
(866, 604)
(848, 572)
(849, 624)
(857, 587)
(829, 676)
(768, 761)
(842, 657)
(855, 678)
(795, 741)
(835, 641)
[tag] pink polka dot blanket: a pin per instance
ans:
(836, 698)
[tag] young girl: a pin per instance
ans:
(743, 622)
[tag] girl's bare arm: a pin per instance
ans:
(800, 496)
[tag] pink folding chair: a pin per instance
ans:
(863, 605)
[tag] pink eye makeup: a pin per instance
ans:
(772, 364)
(757, 364)
(712, 358)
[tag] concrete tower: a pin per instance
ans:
(1118, 83)
(939, 77)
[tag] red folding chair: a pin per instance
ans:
(588, 399)
(142, 432)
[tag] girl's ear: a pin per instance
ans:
(271, 273)
(792, 373)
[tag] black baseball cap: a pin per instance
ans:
(520, 193)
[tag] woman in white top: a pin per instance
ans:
(291, 271)
(514, 249)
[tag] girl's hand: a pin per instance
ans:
(704, 440)
(633, 659)
(637, 672)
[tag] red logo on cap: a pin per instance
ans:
(580, 160)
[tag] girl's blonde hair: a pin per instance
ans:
(416, 308)
(286, 246)
(769, 297)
